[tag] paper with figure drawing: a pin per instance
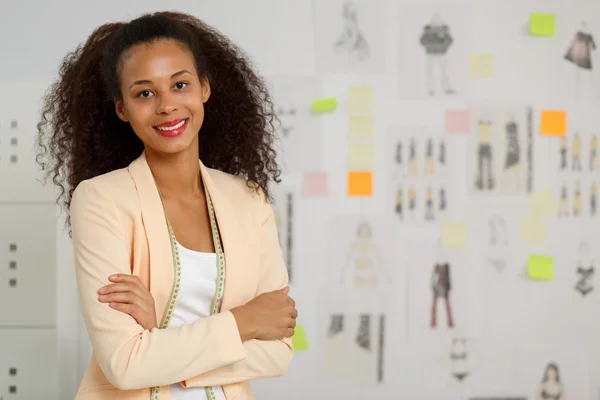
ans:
(500, 150)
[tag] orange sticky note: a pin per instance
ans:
(360, 183)
(553, 123)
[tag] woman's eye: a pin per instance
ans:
(180, 85)
(145, 93)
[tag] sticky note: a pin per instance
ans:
(542, 24)
(360, 127)
(324, 105)
(360, 99)
(540, 267)
(481, 65)
(457, 121)
(534, 229)
(299, 341)
(454, 234)
(314, 184)
(553, 123)
(361, 156)
(360, 183)
(542, 203)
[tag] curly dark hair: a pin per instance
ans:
(80, 135)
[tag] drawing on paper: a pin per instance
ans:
(459, 359)
(364, 261)
(563, 202)
(577, 211)
(442, 199)
(429, 205)
(399, 152)
(594, 165)
(593, 198)
(585, 270)
(436, 41)
(580, 54)
(352, 41)
(550, 387)
(399, 204)
(498, 243)
(440, 284)
(563, 154)
(442, 155)
(355, 347)
(500, 153)
(283, 213)
(429, 168)
(576, 153)
(413, 168)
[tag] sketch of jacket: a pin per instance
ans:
(436, 39)
(580, 50)
(440, 280)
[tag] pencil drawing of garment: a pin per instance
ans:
(352, 39)
(563, 158)
(593, 199)
(442, 199)
(584, 284)
(442, 158)
(399, 153)
(440, 283)
(459, 359)
(562, 206)
(363, 337)
(436, 40)
(579, 52)
(484, 157)
(513, 150)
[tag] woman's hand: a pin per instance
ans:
(129, 295)
(269, 316)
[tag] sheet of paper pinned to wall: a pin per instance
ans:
(360, 127)
(553, 123)
(540, 267)
(324, 105)
(542, 24)
(315, 184)
(361, 156)
(360, 99)
(360, 183)
(534, 229)
(481, 65)
(542, 203)
(299, 339)
(457, 122)
(454, 234)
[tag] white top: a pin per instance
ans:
(197, 289)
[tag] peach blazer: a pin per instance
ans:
(119, 226)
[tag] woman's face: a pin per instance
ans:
(162, 96)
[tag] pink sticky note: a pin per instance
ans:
(457, 121)
(314, 184)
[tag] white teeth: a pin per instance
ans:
(179, 125)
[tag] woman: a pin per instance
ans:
(158, 134)
(550, 388)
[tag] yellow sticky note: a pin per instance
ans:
(481, 65)
(299, 341)
(553, 123)
(542, 203)
(360, 99)
(542, 24)
(454, 234)
(360, 183)
(540, 267)
(360, 127)
(534, 229)
(361, 156)
(324, 105)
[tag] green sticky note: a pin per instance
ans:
(324, 105)
(299, 339)
(540, 267)
(541, 24)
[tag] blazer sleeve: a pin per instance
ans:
(130, 356)
(266, 359)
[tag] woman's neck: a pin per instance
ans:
(177, 175)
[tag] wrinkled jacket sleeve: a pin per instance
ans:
(130, 356)
(265, 359)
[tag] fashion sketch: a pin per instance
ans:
(563, 154)
(442, 199)
(364, 261)
(593, 198)
(594, 166)
(585, 270)
(563, 202)
(580, 54)
(440, 284)
(399, 153)
(429, 164)
(550, 387)
(413, 168)
(352, 41)
(399, 204)
(286, 129)
(498, 242)
(459, 359)
(429, 205)
(577, 201)
(485, 177)
(412, 201)
(576, 153)
(436, 40)
(442, 156)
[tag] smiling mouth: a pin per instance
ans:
(172, 130)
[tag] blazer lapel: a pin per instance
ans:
(234, 244)
(157, 234)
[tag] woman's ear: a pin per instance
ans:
(120, 110)
(205, 89)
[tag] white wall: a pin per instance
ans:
(521, 325)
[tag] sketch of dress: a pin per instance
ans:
(576, 153)
(429, 164)
(577, 201)
(429, 205)
(352, 40)
(594, 167)
(436, 40)
(442, 199)
(484, 157)
(563, 153)
(513, 149)
(563, 209)
(399, 203)
(459, 359)
(364, 260)
(399, 153)
(593, 199)
(412, 201)
(413, 169)
(579, 52)
(442, 156)
(584, 284)
(440, 284)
